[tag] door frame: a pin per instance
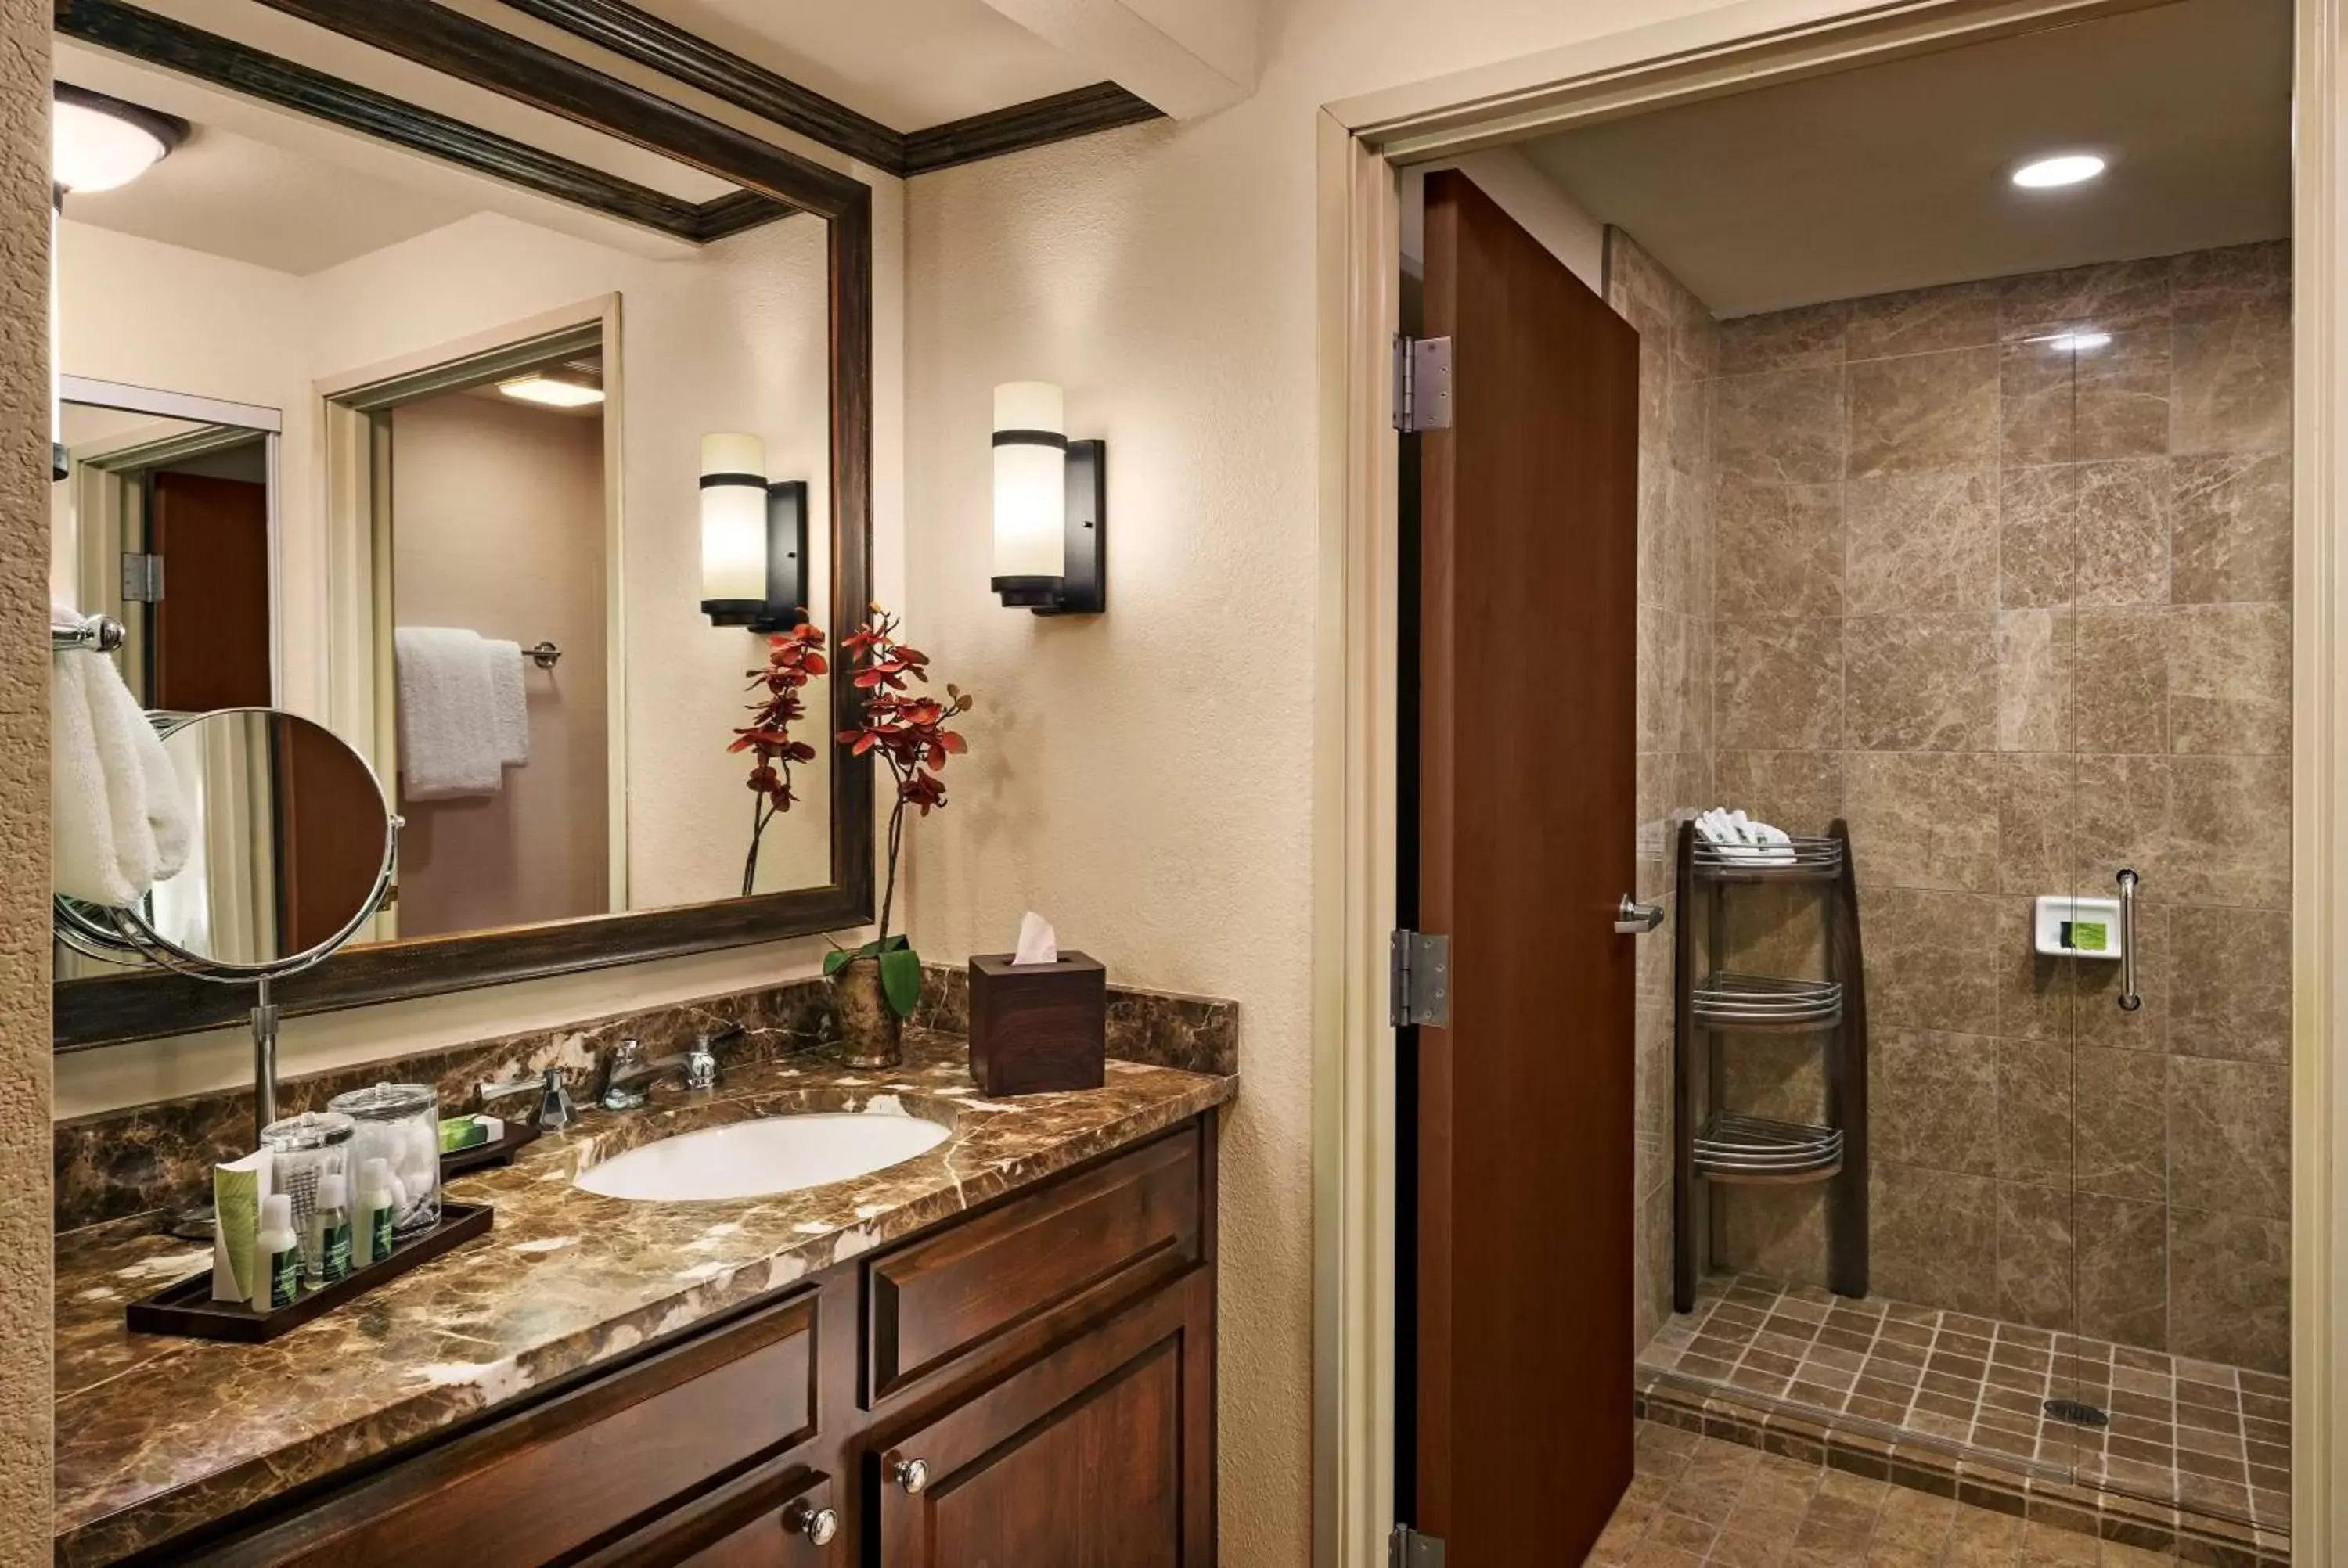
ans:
(1361, 143)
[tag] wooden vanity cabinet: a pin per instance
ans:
(1031, 1384)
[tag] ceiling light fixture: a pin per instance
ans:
(98, 143)
(2062, 168)
(553, 393)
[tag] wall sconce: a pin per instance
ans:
(753, 537)
(1051, 507)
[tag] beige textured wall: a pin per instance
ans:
(24, 784)
(2021, 614)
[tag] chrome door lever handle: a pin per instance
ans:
(1633, 918)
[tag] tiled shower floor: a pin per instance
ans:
(2204, 1438)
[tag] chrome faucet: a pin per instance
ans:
(555, 1111)
(628, 1077)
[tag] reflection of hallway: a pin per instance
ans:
(2191, 1445)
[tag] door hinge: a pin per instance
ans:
(1406, 1548)
(142, 578)
(1422, 383)
(1420, 981)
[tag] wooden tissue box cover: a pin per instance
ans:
(1035, 1028)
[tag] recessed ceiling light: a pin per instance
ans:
(554, 394)
(2063, 168)
(96, 142)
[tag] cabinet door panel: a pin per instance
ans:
(1101, 1455)
(756, 1521)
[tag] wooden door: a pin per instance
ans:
(1100, 1455)
(330, 835)
(1527, 638)
(208, 639)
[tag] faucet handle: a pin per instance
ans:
(554, 1109)
(701, 1070)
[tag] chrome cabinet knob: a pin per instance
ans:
(912, 1474)
(818, 1524)
(1634, 919)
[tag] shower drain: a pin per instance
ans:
(2077, 1412)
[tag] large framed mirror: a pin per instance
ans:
(402, 410)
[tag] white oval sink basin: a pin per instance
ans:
(773, 1154)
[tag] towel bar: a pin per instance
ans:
(99, 631)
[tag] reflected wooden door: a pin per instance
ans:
(208, 638)
(1527, 588)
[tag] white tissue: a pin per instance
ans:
(1038, 944)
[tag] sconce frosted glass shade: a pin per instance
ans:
(1031, 456)
(733, 520)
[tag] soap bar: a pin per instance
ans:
(463, 1133)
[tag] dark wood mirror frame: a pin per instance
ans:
(110, 1009)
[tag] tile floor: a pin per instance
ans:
(2211, 1438)
(1698, 1500)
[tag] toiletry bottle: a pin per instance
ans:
(371, 1226)
(279, 1252)
(326, 1257)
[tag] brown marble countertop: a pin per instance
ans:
(157, 1435)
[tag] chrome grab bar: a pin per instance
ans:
(2129, 1001)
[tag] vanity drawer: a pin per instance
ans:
(1119, 1227)
(546, 1480)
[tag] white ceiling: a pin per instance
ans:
(1894, 176)
(232, 196)
(909, 64)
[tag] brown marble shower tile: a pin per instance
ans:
(1935, 1238)
(1662, 552)
(1920, 682)
(1777, 1231)
(2101, 1019)
(1800, 792)
(2120, 680)
(2038, 540)
(1924, 411)
(2035, 1257)
(2035, 1114)
(2230, 528)
(1933, 1099)
(2233, 378)
(1696, 339)
(2229, 831)
(1785, 426)
(2229, 1136)
(1687, 429)
(1923, 819)
(2229, 678)
(1922, 541)
(2036, 416)
(2109, 297)
(2123, 1270)
(2120, 397)
(2036, 822)
(2230, 1288)
(2122, 1145)
(1695, 734)
(1924, 321)
(1777, 682)
(2256, 273)
(2231, 996)
(2121, 523)
(1933, 958)
(1664, 663)
(2036, 649)
(1805, 337)
(2123, 819)
(2037, 994)
(1781, 549)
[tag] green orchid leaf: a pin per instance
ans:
(901, 979)
(836, 959)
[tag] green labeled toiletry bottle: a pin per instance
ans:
(372, 1225)
(279, 1252)
(327, 1258)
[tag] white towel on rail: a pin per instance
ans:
(119, 822)
(512, 702)
(449, 742)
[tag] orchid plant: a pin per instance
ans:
(907, 731)
(794, 658)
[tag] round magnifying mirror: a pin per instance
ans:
(291, 843)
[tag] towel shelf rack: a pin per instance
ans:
(101, 632)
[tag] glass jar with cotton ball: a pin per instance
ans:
(399, 1123)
